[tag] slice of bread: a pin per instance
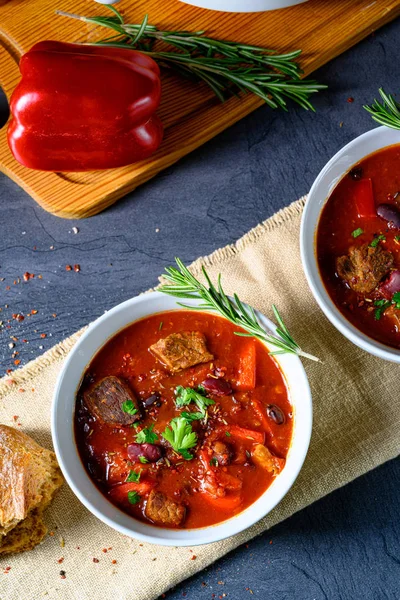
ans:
(29, 478)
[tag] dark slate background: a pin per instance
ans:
(347, 545)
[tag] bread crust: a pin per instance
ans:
(29, 478)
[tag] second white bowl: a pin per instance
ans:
(331, 174)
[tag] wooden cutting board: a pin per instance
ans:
(191, 114)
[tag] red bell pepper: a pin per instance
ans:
(82, 108)
(364, 198)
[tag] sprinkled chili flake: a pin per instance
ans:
(350, 99)
(27, 276)
(193, 557)
(68, 268)
(60, 560)
(113, 562)
(43, 335)
(18, 317)
(96, 560)
(17, 362)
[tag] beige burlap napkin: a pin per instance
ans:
(356, 428)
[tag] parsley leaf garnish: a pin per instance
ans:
(133, 477)
(214, 462)
(147, 436)
(133, 497)
(186, 395)
(192, 416)
(129, 407)
(357, 232)
(228, 434)
(396, 299)
(143, 460)
(180, 435)
(382, 306)
(375, 241)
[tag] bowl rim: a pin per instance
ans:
(62, 414)
(309, 258)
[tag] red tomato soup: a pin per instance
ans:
(182, 423)
(358, 246)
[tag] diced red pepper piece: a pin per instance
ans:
(261, 413)
(364, 198)
(246, 379)
(83, 108)
(236, 431)
(119, 493)
(228, 502)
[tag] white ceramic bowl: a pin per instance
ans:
(322, 187)
(243, 6)
(64, 440)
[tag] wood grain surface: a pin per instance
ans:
(191, 114)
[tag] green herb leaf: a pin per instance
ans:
(186, 395)
(129, 407)
(192, 416)
(228, 68)
(396, 300)
(181, 436)
(228, 434)
(143, 460)
(214, 462)
(382, 306)
(375, 241)
(133, 497)
(147, 436)
(385, 113)
(182, 284)
(160, 326)
(357, 232)
(397, 238)
(133, 477)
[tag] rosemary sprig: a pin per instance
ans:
(385, 113)
(228, 68)
(182, 284)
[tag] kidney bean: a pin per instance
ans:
(276, 414)
(154, 398)
(356, 173)
(389, 213)
(391, 285)
(151, 452)
(218, 387)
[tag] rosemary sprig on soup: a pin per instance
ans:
(182, 284)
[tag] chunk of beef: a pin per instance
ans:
(105, 401)
(182, 350)
(163, 511)
(364, 267)
(262, 457)
(222, 453)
